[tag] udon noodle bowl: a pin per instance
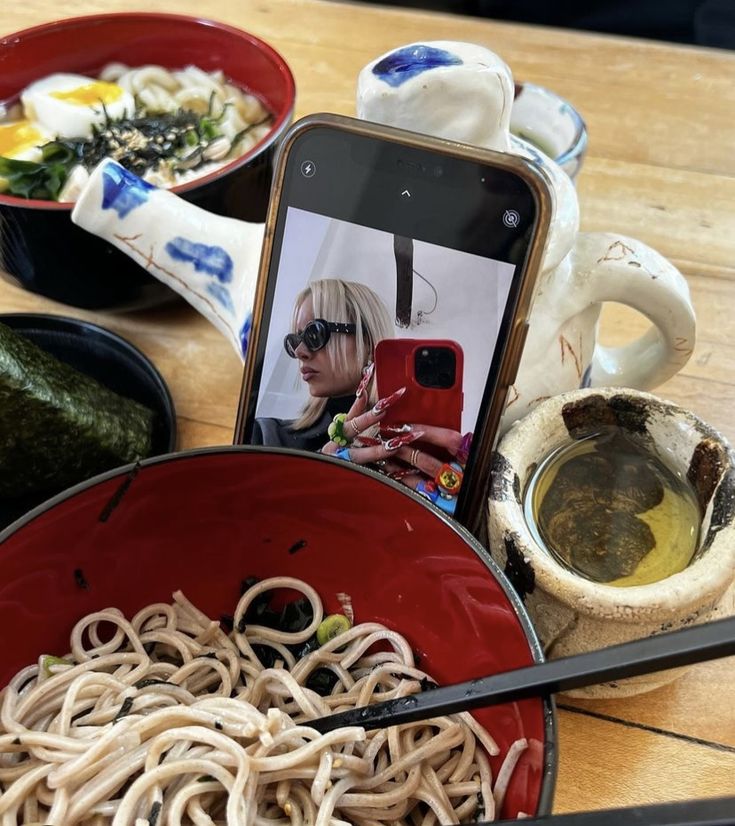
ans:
(167, 718)
(168, 126)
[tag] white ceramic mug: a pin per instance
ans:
(464, 92)
(572, 614)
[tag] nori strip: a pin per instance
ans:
(58, 426)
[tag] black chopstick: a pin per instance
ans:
(631, 659)
(716, 812)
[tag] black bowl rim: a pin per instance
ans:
(281, 124)
(550, 763)
(66, 324)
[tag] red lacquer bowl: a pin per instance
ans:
(39, 245)
(204, 520)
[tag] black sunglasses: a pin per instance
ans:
(315, 335)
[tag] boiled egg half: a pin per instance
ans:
(22, 140)
(69, 105)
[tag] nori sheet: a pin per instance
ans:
(58, 426)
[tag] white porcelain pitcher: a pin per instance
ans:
(464, 92)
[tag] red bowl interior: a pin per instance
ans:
(203, 521)
(85, 45)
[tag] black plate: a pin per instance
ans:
(108, 359)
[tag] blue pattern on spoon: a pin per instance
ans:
(409, 61)
(212, 260)
(122, 190)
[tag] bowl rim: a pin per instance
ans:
(280, 124)
(550, 761)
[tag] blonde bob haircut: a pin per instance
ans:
(349, 303)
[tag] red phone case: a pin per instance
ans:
(395, 368)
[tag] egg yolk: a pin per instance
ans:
(90, 93)
(18, 137)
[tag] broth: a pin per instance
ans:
(610, 510)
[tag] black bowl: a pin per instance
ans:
(108, 359)
(40, 248)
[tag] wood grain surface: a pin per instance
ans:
(660, 168)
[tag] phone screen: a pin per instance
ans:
(432, 245)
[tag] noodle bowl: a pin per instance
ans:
(39, 246)
(200, 521)
(173, 721)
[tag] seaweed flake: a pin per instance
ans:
(117, 496)
(80, 579)
(124, 710)
(297, 546)
(155, 812)
(323, 681)
(227, 621)
(248, 583)
(218, 725)
(150, 681)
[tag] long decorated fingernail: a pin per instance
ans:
(401, 441)
(383, 404)
(367, 374)
(397, 475)
(397, 428)
(367, 441)
(464, 448)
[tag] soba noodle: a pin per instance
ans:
(172, 721)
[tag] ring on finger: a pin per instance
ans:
(336, 431)
(449, 478)
(355, 428)
(415, 453)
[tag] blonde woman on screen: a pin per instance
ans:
(335, 328)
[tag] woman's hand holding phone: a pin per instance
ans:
(397, 456)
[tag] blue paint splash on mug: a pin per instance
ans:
(221, 295)
(409, 61)
(122, 190)
(245, 336)
(211, 260)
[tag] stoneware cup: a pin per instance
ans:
(573, 614)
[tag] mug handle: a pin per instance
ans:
(616, 268)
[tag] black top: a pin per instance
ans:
(280, 432)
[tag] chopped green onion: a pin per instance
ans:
(331, 627)
(48, 661)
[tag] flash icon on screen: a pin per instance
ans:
(511, 218)
(308, 169)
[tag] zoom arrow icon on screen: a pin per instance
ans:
(406, 193)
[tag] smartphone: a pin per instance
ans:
(431, 370)
(375, 233)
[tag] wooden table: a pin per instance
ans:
(661, 168)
